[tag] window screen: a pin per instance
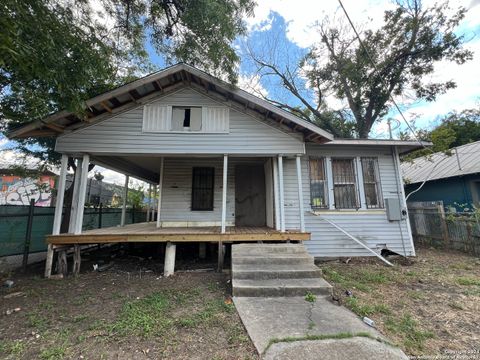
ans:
(318, 183)
(202, 188)
(371, 183)
(186, 118)
(344, 184)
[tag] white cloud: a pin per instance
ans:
(252, 84)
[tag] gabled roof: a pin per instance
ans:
(163, 82)
(462, 160)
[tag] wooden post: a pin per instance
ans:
(28, 235)
(160, 185)
(124, 204)
(81, 194)
(276, 195)
(57, 220)
(77, 260)
(300, 193)
(224, 193)
(76, 186)
(221, 255)
(149, 201)
(62, 262)
(202, 250)
(169, 265)
(282, 200)
(444, 226)
(361, 188)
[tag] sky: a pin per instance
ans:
(290, 24)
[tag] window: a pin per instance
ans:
(318, 183)
(186, 118)
(371, 183)
(202, 188)
(344, 184)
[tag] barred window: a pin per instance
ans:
(202, 188)
(344, 183)
(371, 183)
(318, 183)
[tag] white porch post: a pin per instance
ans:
(160, 186)
(300, 193)
(124, 204)
(276, 195)
(152, 211)
(149, 201)
(361, 189)
(282, 200)
(57, 220)
(169, 266)
(81, 194)
(224, 193)
(76, 186)
(331, 191)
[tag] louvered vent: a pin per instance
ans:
(157, 118)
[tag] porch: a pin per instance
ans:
(149, 232)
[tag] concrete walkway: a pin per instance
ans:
(268, 319)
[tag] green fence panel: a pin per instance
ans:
(13, 225)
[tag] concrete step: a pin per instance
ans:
(273, 259)
(249, 249)
(280, 287)
(273, 271)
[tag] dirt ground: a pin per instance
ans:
(126, 312)
(428, 306)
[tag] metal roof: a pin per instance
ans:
(462, 160)
(137, 92)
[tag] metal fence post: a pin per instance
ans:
(28, 235)
(133, 214)
(100, 216)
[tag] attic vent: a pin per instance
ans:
(156, 118)
(216, 119)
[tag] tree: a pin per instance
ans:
(396, 58)
(455, 129)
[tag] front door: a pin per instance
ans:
(250, 195)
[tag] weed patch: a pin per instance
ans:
(407, 327)
(468, 281)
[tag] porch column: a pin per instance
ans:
(169, 266)
(152, 209)
(361, 189)
(224, 193)
(276, 195)
(300, 193)
(149, 200)
(160, 186)
(57, 220)
(124, 204)
(73, 208)
(81, 194)
(280, 189)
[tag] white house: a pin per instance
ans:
(230, 167)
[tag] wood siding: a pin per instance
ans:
(122, 134)
(370, 226)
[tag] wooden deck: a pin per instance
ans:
(148, 232)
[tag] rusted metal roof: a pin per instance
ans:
(462, 160)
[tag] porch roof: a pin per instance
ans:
(159, 83)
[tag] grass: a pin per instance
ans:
(468, 281)
(406, 326)
(310, 297)
(37, 321)
(366, 309)
(54, 352)
(15, 347)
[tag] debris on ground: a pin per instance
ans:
(8, 283)
(368, 321)
(14, 294)
(11, 311)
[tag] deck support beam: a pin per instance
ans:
(280, 188)
(202, 250)
(160, 186)
(77, 260)
(124, 204)
(57, 221)
(82, 190)
(276, 195)
(298, 161)
(169, 266)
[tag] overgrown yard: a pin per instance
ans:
(428, 306)
(120, 315)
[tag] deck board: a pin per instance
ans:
(148, 232)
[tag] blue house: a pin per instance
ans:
(453, 178)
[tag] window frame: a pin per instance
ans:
(358, 202)
(193, 206)
(377, 182)
(325, 182)
(183, 128)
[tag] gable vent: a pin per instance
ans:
(216, 119)
(156, 118)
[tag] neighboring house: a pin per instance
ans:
(99, 192)
(226, 160)
(453, 178)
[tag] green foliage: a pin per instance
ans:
(468, 281)
(136, 195)
(310, 297)
(407, 327)
(404, 51)
(366, 309)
